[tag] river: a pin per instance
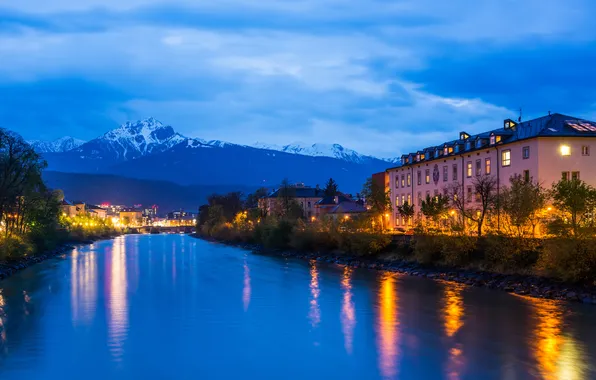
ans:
(174, 307)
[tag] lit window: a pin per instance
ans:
(469, 170)
(492, 140)
(526, 152)
(565, 176)
(409, 199)
(445, 173)
(498, 138)
(403, 199)
(445, 151)
(427, 176)
(418, 157)
(506, 157)
(585, 150)
(478, 168)
(565, 150)
(575, 175)
(403, 181)
(397, 200)
(409, 179)
(487, 166)
(527, 175)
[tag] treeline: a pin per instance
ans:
(234, 218)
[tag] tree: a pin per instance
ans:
(475, 208)
(231, 203)
(252, 200)
(435, 207)
(577, 201)
(286, 206)
(520, 205)
(377, 200)
(331, 188)
(406, 211)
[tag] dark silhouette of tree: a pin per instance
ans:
(475, 207)
(331, 188)
(577, 201)
(377, 200)
(433, 208)
(520, 206)
(406, 211)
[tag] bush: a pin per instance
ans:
(363, 243)
(458, 250)
(311, 240)
(427, 249)
(571, 260)
(14, 247)
(510, 254)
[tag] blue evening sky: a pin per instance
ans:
(378, 76)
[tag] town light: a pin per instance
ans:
(312, 218)
(387, 216)
(549, 208)
(452, 212)
(346, 217)
(565, 150)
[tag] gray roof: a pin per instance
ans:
(300, 192)
(348, 208)
(555, 125)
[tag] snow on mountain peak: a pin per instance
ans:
(63, 144)
(317, 150)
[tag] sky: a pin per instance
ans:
(377, 76)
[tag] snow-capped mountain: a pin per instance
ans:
(63, 144)
(320, 150)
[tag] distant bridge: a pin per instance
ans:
(161, 230)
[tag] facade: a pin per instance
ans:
(306, 197)
(339, 206)
(68, 209)
(97, 211)
(131, 217)
(546, 150)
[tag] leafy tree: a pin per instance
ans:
(577, 201)
(231, 203)
(475, 210)
(434, 208)
(521, 204)
(252, 200)
(286, 206)
(331, 188)
(406, 211)
(377, 200)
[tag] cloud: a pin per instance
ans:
(376, 76)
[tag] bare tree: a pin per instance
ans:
(475, 207)
(521, 204)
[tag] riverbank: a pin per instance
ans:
(523, 285)
(10, 267)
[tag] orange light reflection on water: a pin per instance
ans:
(83, 293)
(348, 313)
(118, 301)
(388, 327)
(315, 312)
(453, 313)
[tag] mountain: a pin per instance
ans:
(63, 144)
(319, 150)
(148, 149)
(101, 188)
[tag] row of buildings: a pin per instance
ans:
(125, 216)
(545, 149)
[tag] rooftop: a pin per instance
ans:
(554, 125)
(300, 192)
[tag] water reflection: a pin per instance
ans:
(315, 312)
(348, 315)
(453, 312)
(246, 289)
(83, 291)
(2, 317)
(388, 327)
(558, 355)
(118, 301)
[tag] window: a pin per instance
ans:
(487, 166)
(585, 150)
(409, 179)
(396, 181)
(468, 145)
(575, 175)
(409, 199)
(419, 178)
(455, 172)
(478, 168)
(403, 181)
(469, 194)
(427, 176)
(526, 152)
(397, 201)
(445, 173)
(419, 198)
(492, 140)
(445, 151)
(445, 192)
(427, 194)
(403, 199)
(506, 157)
(565, 176)
(477, 196)
(308, 204)
(527, 175)
(565, 150)
(469, 169)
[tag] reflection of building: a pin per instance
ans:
(305, 196)
(546, 149)
(131, 217)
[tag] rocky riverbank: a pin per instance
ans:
(8, 268)
(532, 286)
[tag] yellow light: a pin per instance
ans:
(452, 212)
(549, 208)
(346, 216)
(565, 150)
(386, 215)
(312, 218)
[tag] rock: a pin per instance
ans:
(570, 295)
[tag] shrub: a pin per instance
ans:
(14, 247)
(363, 243)
(458, 250)
(510, 254)
(571, 260)
(427, 248)
(311, 240)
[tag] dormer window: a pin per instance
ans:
(509, 124)
(437, 152)
(479, 143)
(422, 156)
(498, 138)
(492, 140)
(418, 157)
(445, 151)
(456, 148)
(468, 145)
(463, 136)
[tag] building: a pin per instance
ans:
(97, 212)
(130, 217)
(337, 207)
(181, 218)
(545, 149)
(306, 197)
(68, 208)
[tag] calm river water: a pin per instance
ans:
(174, 307)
